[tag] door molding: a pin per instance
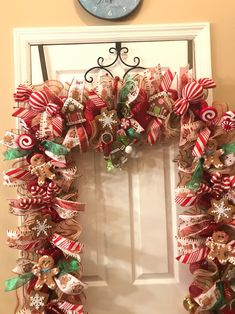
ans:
(199, 33)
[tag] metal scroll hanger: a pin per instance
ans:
(119, 51)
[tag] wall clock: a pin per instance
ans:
(110, 9)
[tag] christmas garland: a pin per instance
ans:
(111, 116)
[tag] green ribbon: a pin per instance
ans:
(17, 282)
(15, 153)
(221, 300)
(55, 148)
(228, 148)
(126, 89)
(132, 133)
(68, 267)
(123, 139)
(196, 178)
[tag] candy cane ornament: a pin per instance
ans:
(201, 142)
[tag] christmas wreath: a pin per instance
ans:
(111, 116)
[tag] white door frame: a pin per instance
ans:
(199, 33)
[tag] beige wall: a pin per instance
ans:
(32, 13)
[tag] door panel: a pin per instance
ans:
(130, 220)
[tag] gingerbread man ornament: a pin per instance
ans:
(41, 168)
(212, 156)
(45, 272)
(220, 249)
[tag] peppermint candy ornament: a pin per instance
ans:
(25, 141)
(228, 121)
(125, 123)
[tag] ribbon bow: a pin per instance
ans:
(43, 109)
(206, 83)
(192, 92)
(46, 198)
(39, 102)
(23, 93)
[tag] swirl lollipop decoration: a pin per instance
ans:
(25, 141)
(208, 114)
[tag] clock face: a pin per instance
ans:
(110, 9)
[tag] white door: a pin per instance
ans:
(130, 221)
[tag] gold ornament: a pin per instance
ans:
(189, 305)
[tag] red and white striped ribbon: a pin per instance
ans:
(154, 131)
(194, 257)
(25, 245)
(70, 205)
(24, 114)
(191, 92)
(167, 80)
(39, 102)
(18, 174)
(96, 100)
(201, 142)
(185, 201)
(23, 93)
(57, 125)
(69, 247)
(72, 308)
(206, 83)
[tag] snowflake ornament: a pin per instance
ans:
(37, 300)
(221, 210)
(107, 120)
(42, 226)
